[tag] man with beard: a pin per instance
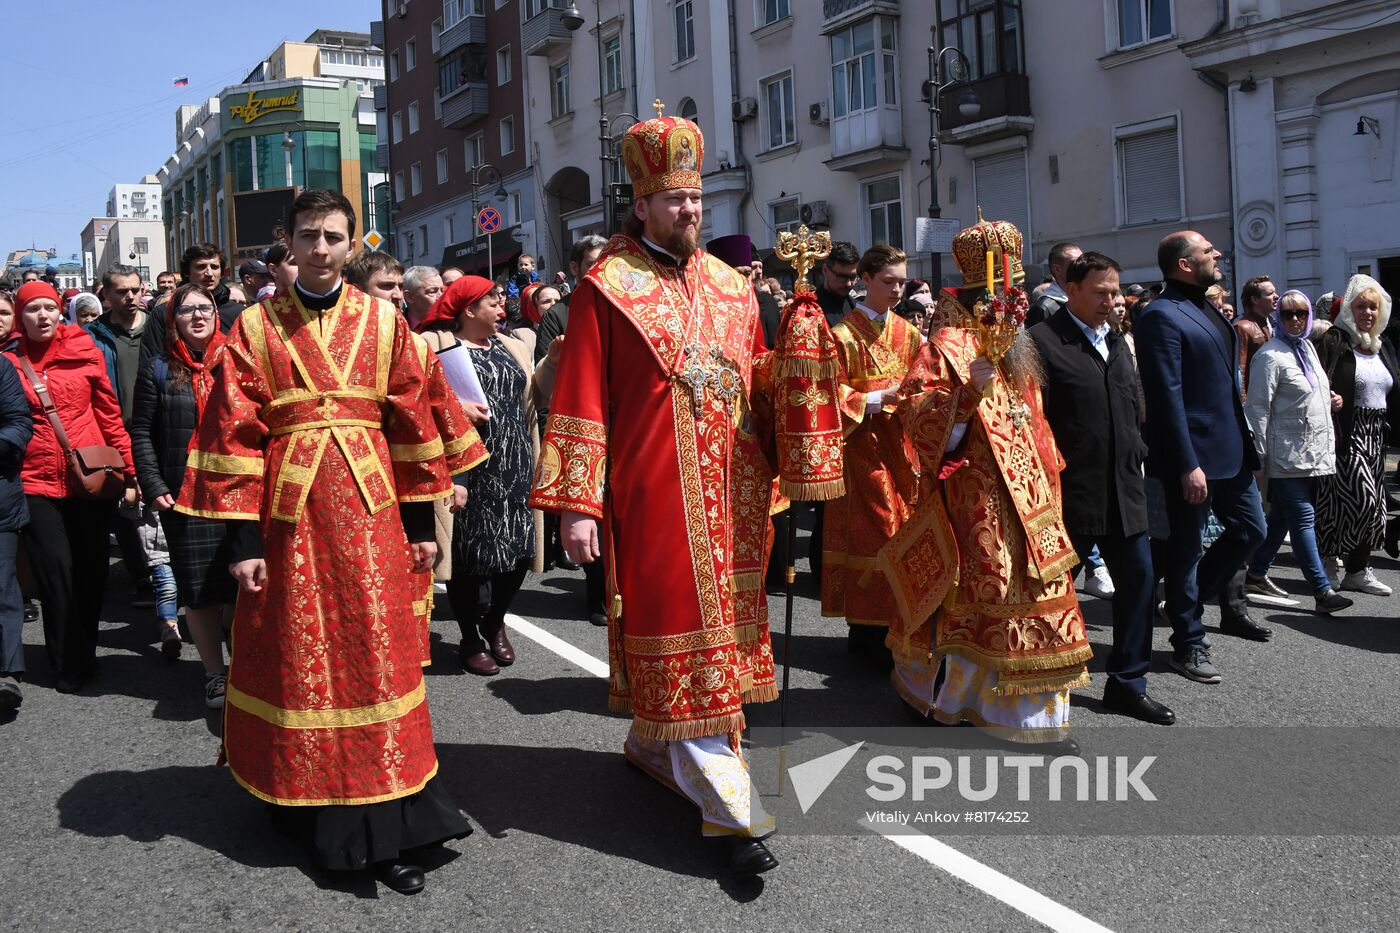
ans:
(203, 265)
(989, 629)
(641, 459)
(1200, 447)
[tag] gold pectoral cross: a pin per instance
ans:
(1020, 413)
(708, 370)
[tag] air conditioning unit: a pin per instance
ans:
(745, 107)
(819, 113)
(816, 213)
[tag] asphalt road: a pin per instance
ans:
(114, 815)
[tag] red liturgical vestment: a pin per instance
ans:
(318, 426)
(651, 397)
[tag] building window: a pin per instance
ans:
(422, 239)
(396, 127)
(785, 215)
(770, 11)
(1000, 187)
(453, 12)
(685, 29)
(437, 35)
(464, 66)
(779, 117)
(503, 65)
(141, 246)
(437, 103)
(512, 211)
(612, 65)
(473, 149)
(410, 55)
(413, 118)
(559, 90)
(442, 166)
(1142, 21)
(863, 76)
(507, 135)
(449, 234)
(399, 193)
(988, 32)
(1149, 172)
(394, 66)
(415, 178)
(884, 211)
(689, 110)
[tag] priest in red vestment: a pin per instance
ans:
(876, 348)
(644, 457)
(319, 446)
(989, 630)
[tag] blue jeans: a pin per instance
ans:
(1194, 578)
(166, 598)
(1292, 513)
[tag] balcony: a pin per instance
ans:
(838, 14)
(465, 105)
(860, 140)
(381, 97)
(381, 157)
(1006, 109)
(469, 30)
(544, 32)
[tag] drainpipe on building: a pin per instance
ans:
(739, 159)
(1221, 16)
(632, 39)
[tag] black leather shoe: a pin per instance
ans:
(1245, 627)
(1139, 706)
(400, 876)
(598, 618)
(749, 857)
(563, 563)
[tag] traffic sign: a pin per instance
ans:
(373, 239)
(489, 220)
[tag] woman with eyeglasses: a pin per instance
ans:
(171, 389)
(1289, 409)
(497, 537)
(1361, 368)
(67, 534)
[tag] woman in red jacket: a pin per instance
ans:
(67, 535)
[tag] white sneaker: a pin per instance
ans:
(214, 685)
(1364, 581)
(1099, 583)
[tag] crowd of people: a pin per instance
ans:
(242, 438)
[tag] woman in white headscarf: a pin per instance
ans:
(1361, 368)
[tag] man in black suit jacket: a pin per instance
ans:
(1091, 402)
(1200, 447)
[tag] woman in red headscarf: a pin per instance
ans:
(171, 389)
(496, 538)
(67, 534)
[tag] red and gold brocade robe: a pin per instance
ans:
(318, 427)
(463, 449)
(881, 471)
(981, 569)
(630, 443)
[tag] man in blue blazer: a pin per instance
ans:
(1199, 446)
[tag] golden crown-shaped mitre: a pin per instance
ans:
(663, 153)
(970, 248)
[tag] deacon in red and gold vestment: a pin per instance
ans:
(319, 444)
(876, 349)
(651, 438)
(988, 629)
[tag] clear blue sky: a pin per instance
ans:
(88, 99)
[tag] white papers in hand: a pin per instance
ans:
(461, 374)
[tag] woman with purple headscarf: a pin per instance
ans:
(1289, 409)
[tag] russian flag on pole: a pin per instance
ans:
(182, 81)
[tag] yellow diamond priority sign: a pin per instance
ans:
(373, 239)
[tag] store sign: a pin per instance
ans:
(255, 107)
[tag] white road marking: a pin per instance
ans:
(990, 881)
(558, 645)
(938, 854)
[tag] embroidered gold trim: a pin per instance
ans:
(225, 463)
(335, 801)
(412, 452)
(327, 718)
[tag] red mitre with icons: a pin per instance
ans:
(971, 248)
(663, 153)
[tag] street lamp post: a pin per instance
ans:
(501, 195)
(140, 266)
(607, 156)
(289, 145)
(959, 70)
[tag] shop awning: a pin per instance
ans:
(471, 255)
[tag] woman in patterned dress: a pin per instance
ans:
(494, 541)
(1361, 368)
